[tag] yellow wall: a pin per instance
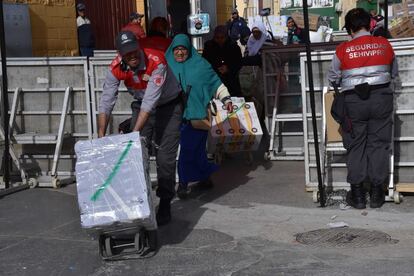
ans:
(141, 10)
(346, 6)
(224, 8)
(53, 23)
(241, 6)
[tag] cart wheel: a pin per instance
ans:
(153, 239)
(55, 182)
(138, 241)
(315, 196)
(33, 183)
(397, 197)
(101, 244)
(109, 243)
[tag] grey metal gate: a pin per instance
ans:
(43, 82)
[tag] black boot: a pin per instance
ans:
(377, 198)
(183, 191)
(206, 184)
(356, 197)
(164, 211)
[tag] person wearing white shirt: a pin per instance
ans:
(85, 32)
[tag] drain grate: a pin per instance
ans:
(344, 237)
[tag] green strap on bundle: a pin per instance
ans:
(234, 112)
(115, 170)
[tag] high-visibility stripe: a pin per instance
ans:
(365, 71)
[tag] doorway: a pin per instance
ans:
(178, 10)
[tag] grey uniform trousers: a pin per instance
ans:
(369, 148)
(163, 129)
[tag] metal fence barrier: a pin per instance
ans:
(38, 111)
(283, 101)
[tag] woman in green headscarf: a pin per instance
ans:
(200, 84)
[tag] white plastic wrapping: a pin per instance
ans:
(114, 188)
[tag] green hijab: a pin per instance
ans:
(197, 73)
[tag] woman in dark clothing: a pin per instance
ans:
(225, 58)
(294, 32)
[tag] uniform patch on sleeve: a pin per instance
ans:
(153, 57)
(158, 80)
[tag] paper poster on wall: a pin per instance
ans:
(311, 3)
(285, 4)
(278, 25)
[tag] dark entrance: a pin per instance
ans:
(178, 10)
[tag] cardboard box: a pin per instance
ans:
(313, 21)
(333, 130)
(404, 9)
(239, 131)
(410, 7)
(402, 27)
(399, 10)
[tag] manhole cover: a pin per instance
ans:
(344, 237)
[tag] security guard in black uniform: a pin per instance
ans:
(364, 67)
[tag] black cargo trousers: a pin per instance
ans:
(369, 144)
(162, 130)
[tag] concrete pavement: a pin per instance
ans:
(245, 225)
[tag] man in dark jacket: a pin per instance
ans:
(86, 37)
(237, 28)
(225, 58)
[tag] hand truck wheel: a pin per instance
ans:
(109, 243)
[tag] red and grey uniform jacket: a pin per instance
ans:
(138, 80)
(152, 83)
(365, 59)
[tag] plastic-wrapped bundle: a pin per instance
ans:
(114, 188)
(239, 131)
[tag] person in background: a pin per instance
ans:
(134, 25)
(158, 35)
(225, 58)
(156, 111)
(295, 36)
(375, 18)
(379, 30)
(294, 32)
(237, 27)
(200, 85)
(377, 25)
(252, 55)
(86, 37)
(364, 67)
